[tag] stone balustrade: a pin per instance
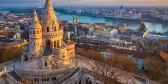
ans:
(64, 78)
(54, 33)
(43, 72)
(11, 80)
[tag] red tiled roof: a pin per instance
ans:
(124, 51)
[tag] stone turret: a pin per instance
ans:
(35, 36)
(52, 32)
(48, 16)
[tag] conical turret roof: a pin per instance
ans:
(49, 13)
(35, 21)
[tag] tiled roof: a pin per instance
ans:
(164, 56)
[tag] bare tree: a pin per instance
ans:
(107, 73)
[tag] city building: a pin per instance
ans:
(123, 14)
(139, 60)
(165, 16)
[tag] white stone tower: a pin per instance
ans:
(52, 32)
(35, 36)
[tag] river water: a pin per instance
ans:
(157, 27)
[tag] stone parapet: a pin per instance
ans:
(11, 80)
(43, 72)
(54, 33)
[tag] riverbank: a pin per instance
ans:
(145, 19)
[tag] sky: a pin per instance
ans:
(34, 3)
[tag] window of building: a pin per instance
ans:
(55, 44)
(54, 78)
(80, 82)
(55, 28)
(42, 79)
(26, 58)
(45, 63)
(47, 79)
(36, 79)
(47, 29)
(34, 32)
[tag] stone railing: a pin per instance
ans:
(55, 33)
(43, 72)
(68, 75)
(11, 80)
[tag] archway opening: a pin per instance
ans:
(26, 58)
(48, 44)
(55, 44)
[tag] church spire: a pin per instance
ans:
(141, 21)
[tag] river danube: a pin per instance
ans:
(157, 27)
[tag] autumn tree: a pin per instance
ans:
(26, 80)
(124, 63)
(8, 53)
(157, 70)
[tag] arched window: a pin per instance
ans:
(34, 32)
(45, 63)
(58, 43)
(42, 79)
(37, 79)
(47, 29)
(48, 44)
(26, 58)
(54, 78)
(55, 43)
(80, 82)
(55, 28)
(47, 79)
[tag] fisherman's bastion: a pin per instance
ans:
(47, 59)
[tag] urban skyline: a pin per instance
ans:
(30, 3)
